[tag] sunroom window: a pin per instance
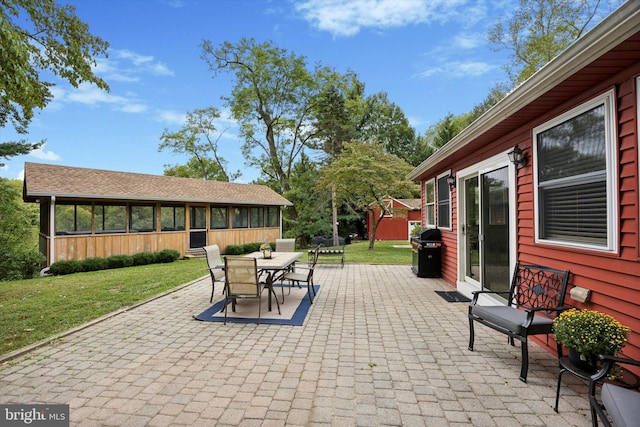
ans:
(111, 218)
(574, 177)
(142, 218)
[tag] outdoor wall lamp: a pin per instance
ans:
(517, 157)
(451, 180)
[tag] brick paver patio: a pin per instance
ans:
(379, 347)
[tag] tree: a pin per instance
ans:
(384, 122)
(19, 257)
(313, 215)
(39, 35)
(272, 100)
(199, 138)
(363, 175)
(538, 31)
(197, 168)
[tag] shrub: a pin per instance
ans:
(65, 267)
(251, 247)
(144, 258)
(234, 250)
(95, 264)
(120, 261)
(168, 255)
(20, 263)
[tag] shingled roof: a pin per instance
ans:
(42, 180)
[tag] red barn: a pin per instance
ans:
(403, 215)
(573, 201)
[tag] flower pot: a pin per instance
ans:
(584, 362)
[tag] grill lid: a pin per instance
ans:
(428, 234)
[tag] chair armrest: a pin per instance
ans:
(608, 362)
(476, 294)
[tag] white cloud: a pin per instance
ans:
(171, 117)
(126, 66)
(455, 69)
(42, 154)
(348, 17)
(134, 108)
(89, 95)
(142, 64)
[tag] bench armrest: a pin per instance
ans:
(476, 294)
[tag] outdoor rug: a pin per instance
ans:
(294, 310)
(453, 296)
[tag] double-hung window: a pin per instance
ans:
(430, 203)
(444, 202)
(575, 178)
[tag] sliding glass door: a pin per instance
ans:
(485, 230)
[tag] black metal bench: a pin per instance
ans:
(327, 249)
(536, 295)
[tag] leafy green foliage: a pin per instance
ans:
(63, 267)
(39, 35)
(234, 250)
(19, 254)
(144, 258)
(120, 261)
(95, 264)
(364, 174)
(251, 247)
(167, 255)
(271, 100)
(538, 31)
(312, 204)
(199, 138)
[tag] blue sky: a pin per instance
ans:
(430, 56)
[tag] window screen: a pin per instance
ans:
(572, 179)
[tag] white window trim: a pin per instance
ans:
(387, 206)
(608, 99)
(426, 219)
(438, 177)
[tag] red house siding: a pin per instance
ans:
(394, 227)
(613, 278)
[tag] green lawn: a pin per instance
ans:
(383, 252)
(32, 310)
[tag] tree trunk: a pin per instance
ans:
(374, 228)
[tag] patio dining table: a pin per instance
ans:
(274, 267)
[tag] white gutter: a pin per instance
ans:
(613, 30)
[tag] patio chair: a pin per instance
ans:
(241, 281)
(620, 403)
(535, 296)
(215, 264)
(302, 274)
(285, 245)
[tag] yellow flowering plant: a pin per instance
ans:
(590, 332)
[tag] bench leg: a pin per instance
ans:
(525, 361)
(471, 334)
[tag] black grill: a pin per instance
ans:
(427, 253)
